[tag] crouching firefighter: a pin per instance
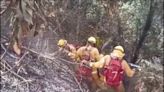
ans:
(114, 66)
(67, 48)
(88, 53)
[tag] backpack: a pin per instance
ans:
(83, 70)
(86, 54)
(113, 72)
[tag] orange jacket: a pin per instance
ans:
(72, 51)
(69, 49)
(106, 59)
(91, 51)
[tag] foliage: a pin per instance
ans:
(134, 15)
(117, 22)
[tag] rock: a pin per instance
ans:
(150, 79)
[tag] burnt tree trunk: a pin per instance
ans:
(146, 29)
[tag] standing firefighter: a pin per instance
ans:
(113, 68)
(67, 48)
(88, 53)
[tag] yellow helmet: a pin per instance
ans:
(118, 52)
(120, 48)
(92, 39)
(62, 42)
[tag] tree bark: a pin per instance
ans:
(146, 29)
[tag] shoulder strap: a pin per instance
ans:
(85, 53)
(90, 54)
(107, 61)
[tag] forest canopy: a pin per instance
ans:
(135, 24)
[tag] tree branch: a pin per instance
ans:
(144, 32)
